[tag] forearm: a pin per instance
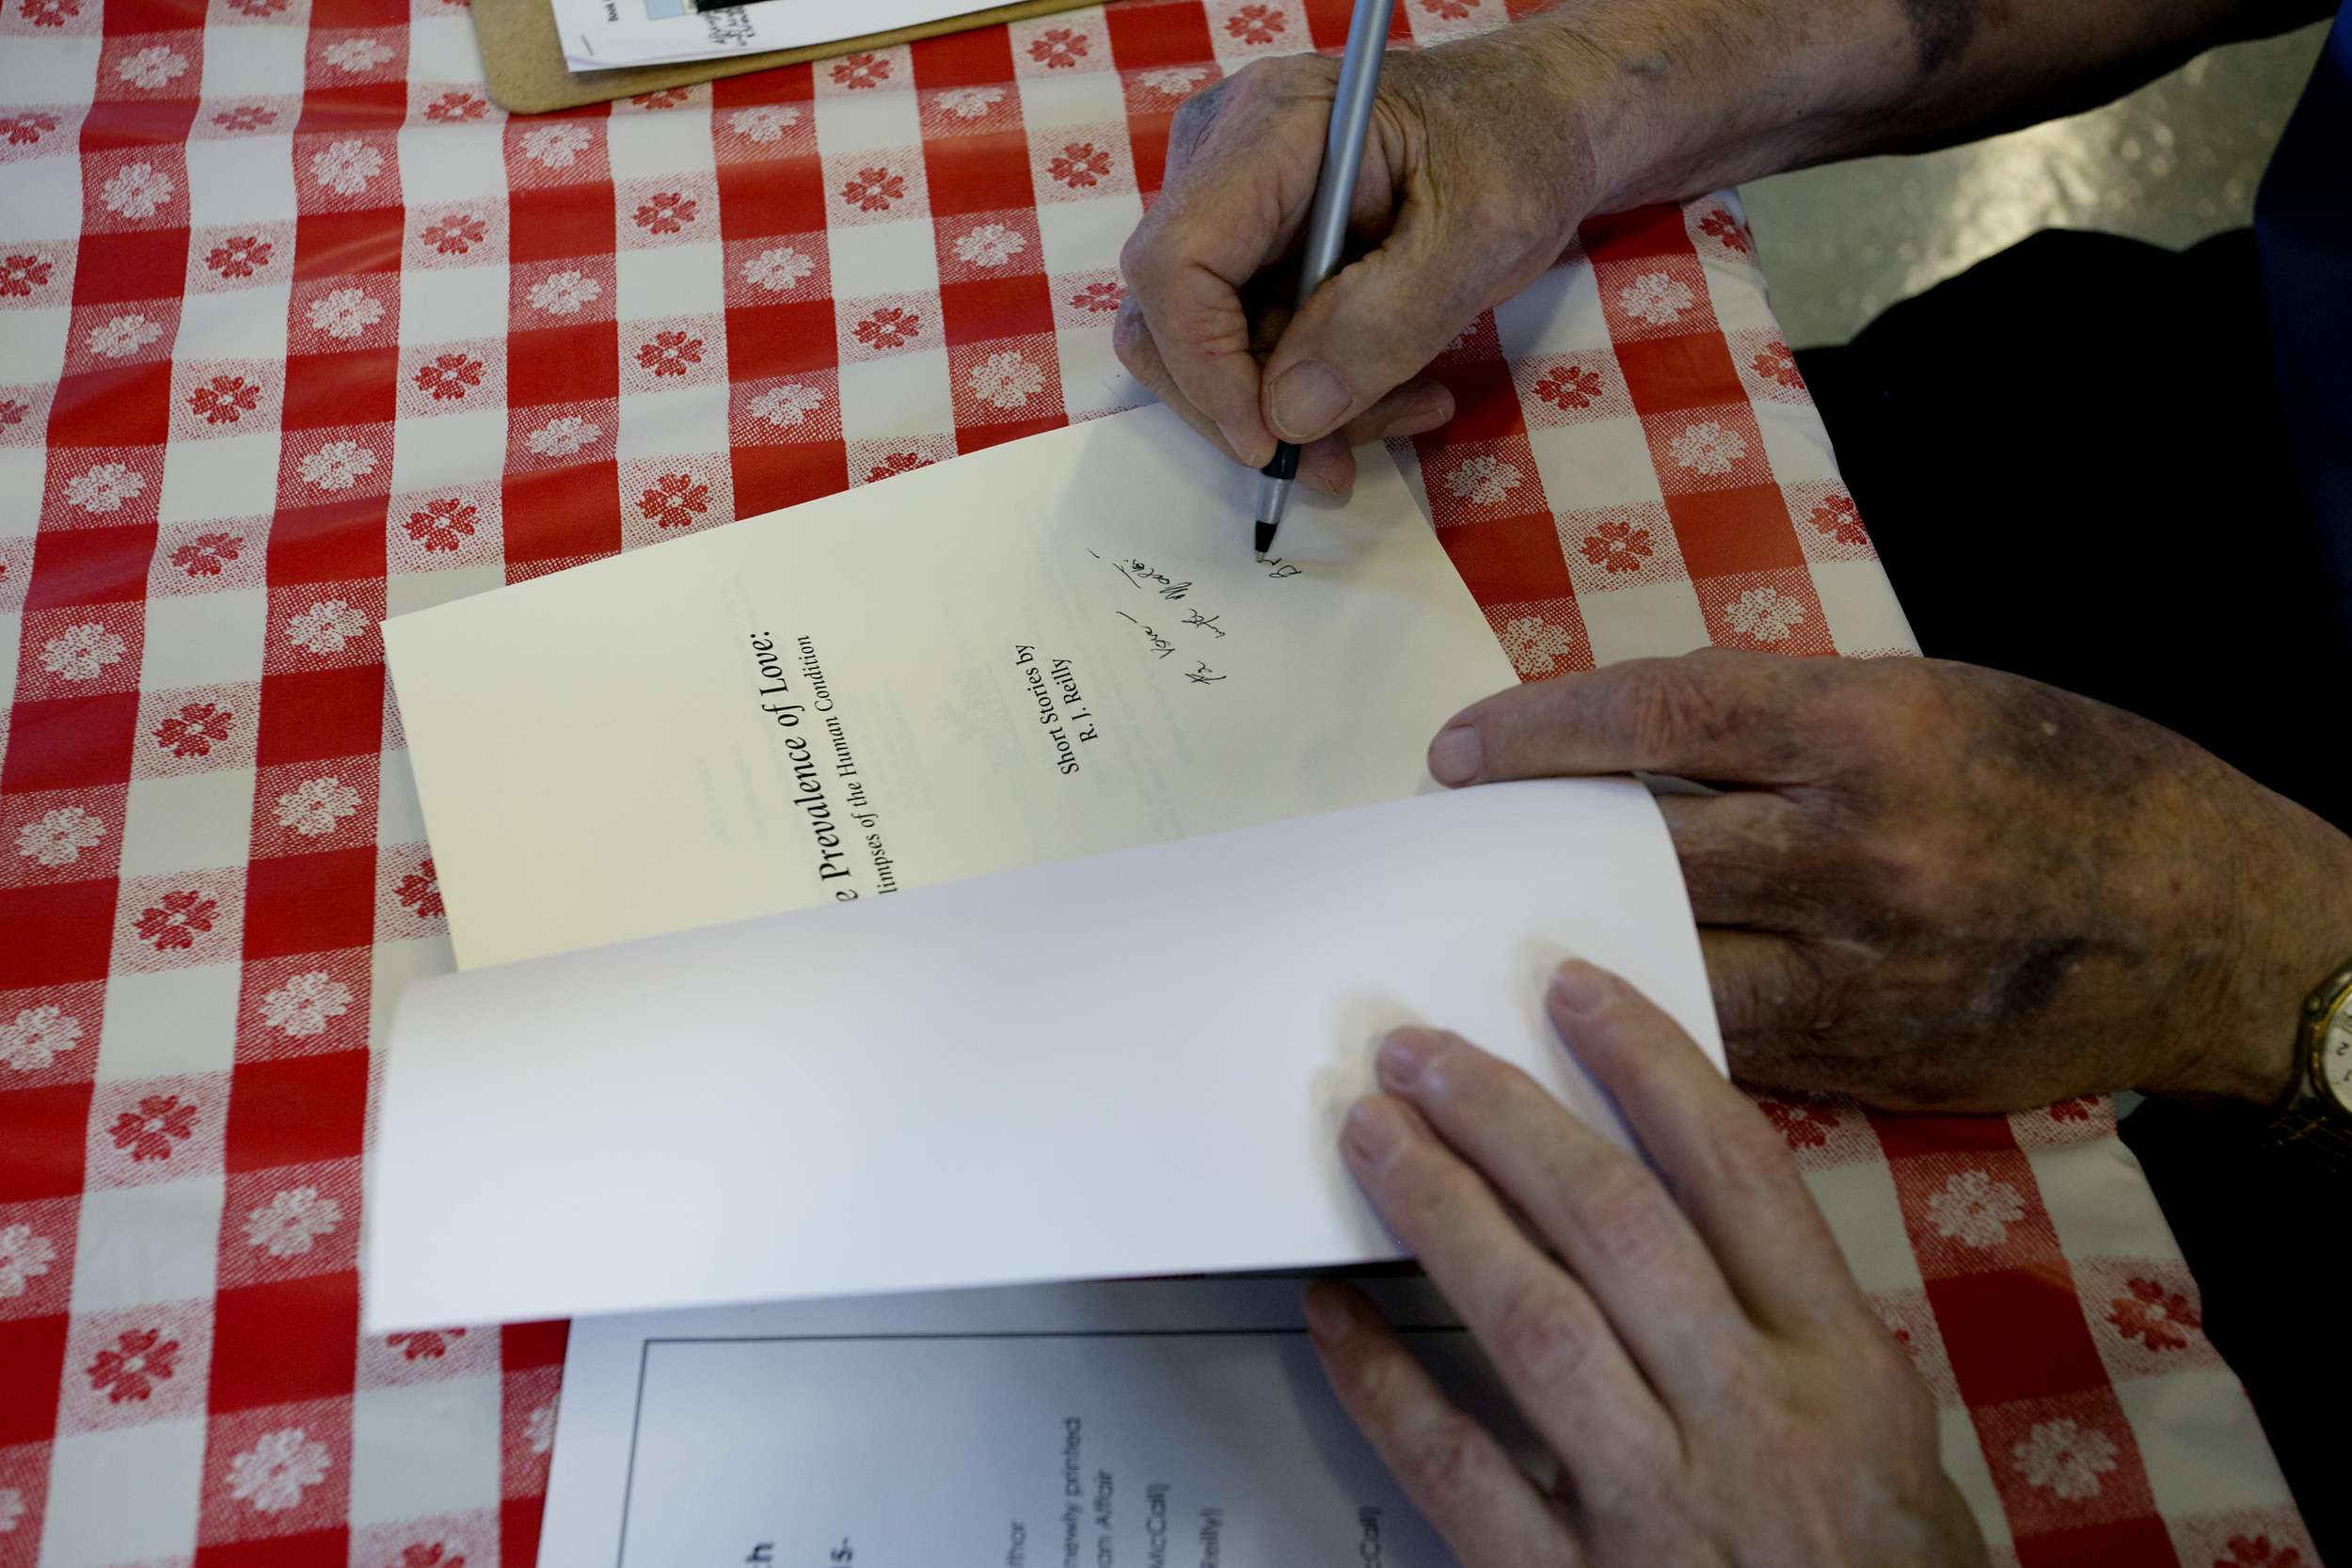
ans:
(1678, 97)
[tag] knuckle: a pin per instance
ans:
(1544, 1334)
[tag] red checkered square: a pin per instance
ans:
(1152, 33)
(130, 403)
(339, 543)
(349, 246)
(752, 134)
(974, 170)
(327, 625)
(1725, 533)
(177, 920)
(429, 531)
(1434, 21)
(875, 185)
(1768, 370)
(33, 1350)
(407, 894)
(209, 556)
(871, 72)
(25, 413)
(444, 235)
(1717, 234)
(246, 115)
(135, 1365)
(37, 1240)
(555, 166)
(68, 835)
(987, 249)
(2244, 1537)
(276, 1472)
(796, 338)
(1500, 554)
(55, 934)
(306, 807)
(448, 104)
(560, 365)
(49, 1035)
(1486, 406)
(314, 1004)
(1655, 297)
(311, 714)
(1776, 613)
(326, 465)
(1081, 163)
(567, 514)
(770, 477)
(1542, 637)
(68, 743)
(42, 1129)
(672, 351)
(151, 1130)
(987, 109)
(1002, 380)
(310, 903)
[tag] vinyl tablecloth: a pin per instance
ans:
(297, 331)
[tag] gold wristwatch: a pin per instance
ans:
(2316, 1119)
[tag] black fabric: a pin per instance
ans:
(2072, 461)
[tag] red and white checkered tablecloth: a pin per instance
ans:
(297, 330)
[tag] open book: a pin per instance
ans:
(991, 874)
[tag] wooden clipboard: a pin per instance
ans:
(524, 58)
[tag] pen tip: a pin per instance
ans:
(1262, 558)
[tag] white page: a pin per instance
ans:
(611, 752)
(1126, 1065)
(943, 1428)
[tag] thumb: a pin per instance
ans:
(1376, 322)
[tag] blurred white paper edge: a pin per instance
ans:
(1132, 1064)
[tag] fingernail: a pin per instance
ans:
(1579, 988)
(1375, 1130)
(1308, 399)
(1404, 1056)
(1456, 757)
(1328, 1317)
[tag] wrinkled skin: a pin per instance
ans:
(1712, 1384)
(1937, 886)
(1468, 190)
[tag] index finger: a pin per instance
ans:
(1717, 715)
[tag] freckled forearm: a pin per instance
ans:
(1685, 95)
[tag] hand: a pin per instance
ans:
(1936, 886)
(1474, 182)
(1702, 1368)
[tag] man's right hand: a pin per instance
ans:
(1474, 180)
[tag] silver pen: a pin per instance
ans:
(1327, 223)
